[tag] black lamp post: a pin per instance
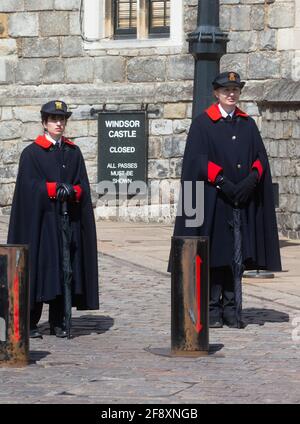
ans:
(207, 44)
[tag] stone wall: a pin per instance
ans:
(281, 132)
(279, 117)
(264, 48)
(43, 56)
(255, 27)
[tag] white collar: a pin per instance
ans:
(48, 137)
(224, 113)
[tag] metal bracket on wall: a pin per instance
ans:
(143, 108)
(94, 111)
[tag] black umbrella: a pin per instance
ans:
(66, 234)
(237, 264)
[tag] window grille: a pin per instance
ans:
(159, 17)
(125, 18)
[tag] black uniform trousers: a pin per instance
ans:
(221, 300)
(56, 313)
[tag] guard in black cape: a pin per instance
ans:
(51, 173)
(225, 150)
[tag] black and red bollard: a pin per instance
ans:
(14, 305)
(190, 296)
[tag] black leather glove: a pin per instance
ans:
(65, 192)
(226, 186)
(245, 188)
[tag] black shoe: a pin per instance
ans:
(35, 334)
(216, 323)
(232, 322)
(57, 331)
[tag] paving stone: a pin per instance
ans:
(106, 360)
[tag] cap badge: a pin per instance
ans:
(58, 105)
(232, 76)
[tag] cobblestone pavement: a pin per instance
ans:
(106, 361)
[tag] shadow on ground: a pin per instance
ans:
(186, 353)
(261, 316)
(37, 355)
(287, 243)
(214, 348)
(85, 325)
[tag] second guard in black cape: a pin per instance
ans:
(224, 149)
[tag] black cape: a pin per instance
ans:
(35, 220)
(234, 146)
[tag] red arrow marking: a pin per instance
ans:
(198, 293)
(16, 335)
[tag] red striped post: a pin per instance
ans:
(14, 305)
(189, 296)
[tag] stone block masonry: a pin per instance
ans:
(263, 48)
(43, 56)
(281, 131)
